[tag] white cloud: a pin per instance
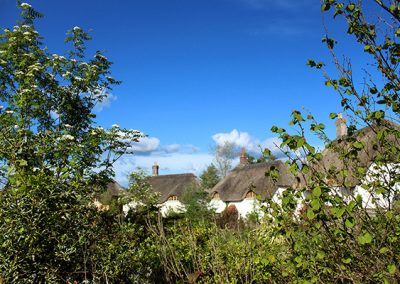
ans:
(106, 102)
(251, 144)
(178, 158)
(146, 145)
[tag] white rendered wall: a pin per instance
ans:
(247, 206)
(171, 206)
(385, 175)
(217, 205)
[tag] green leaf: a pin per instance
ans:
(350, 7)
(317, 191)
(340, 212)
(349, 223)
(373, 90)
(325, 7)
(384, 250)
(391, 268)
(346, 260)
(315, 204)
(22, 162)
(311, 63)
(358, 145)
(367, 48)
(310, 214)
(365, 239)
(333, 115)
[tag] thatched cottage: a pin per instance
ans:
(349, 162)
(247, 186)
(113, 192)
(171, 189)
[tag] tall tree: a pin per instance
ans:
(53, 157)
(209, 177)
(223, 157)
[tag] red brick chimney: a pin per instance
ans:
(341, 127)
(243, 157)
(155, 169)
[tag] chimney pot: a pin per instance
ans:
(155, 169)
(243, 157)
(341, 127)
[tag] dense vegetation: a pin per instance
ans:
(54, 160)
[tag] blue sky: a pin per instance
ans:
(200, 72)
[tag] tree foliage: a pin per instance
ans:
(53, 157)
(223, 157)
(209, 177)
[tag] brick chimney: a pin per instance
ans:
(155, 169)
(243, 157)
(341, 127)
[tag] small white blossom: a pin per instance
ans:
(115, 126)
(76, 29)
(68, 125)
(25, 6)
(9, 111)
(16, 126)
(26, 33)
(25, 26)
(67, 137)
(35, 169)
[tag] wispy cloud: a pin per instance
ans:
(280, 27)
(280, 4)
(106, 102)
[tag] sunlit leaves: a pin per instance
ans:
(365, 238)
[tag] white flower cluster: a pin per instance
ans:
(97, 130)
(67, 137)
(76, 29)
(25, 5)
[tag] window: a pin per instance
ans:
(173, 197)
(215, 195)
(251, 194)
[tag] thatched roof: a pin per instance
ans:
(341, 167)
(243, 179)
(114, 190)
(172, 185)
